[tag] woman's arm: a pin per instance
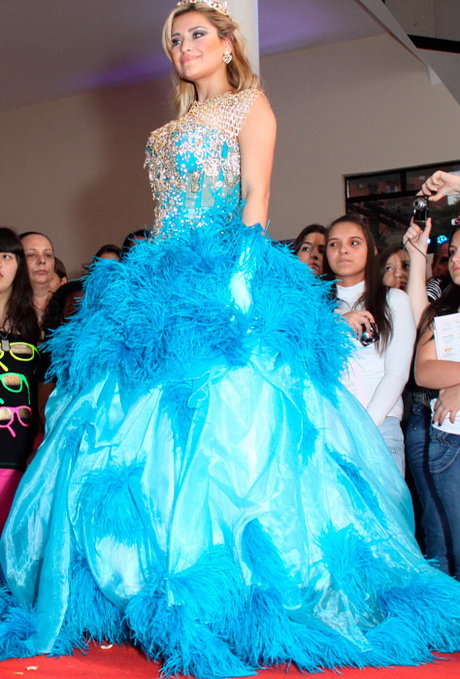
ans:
(416, 243)
(257, 146)
(441, 184)
(397, 358)
(430, 372)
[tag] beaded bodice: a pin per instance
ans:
(194, 162)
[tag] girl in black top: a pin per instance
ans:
(19, 364)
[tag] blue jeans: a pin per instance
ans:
(392, 435)
(444, 466)
(434, 520)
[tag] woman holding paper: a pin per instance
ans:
(435, 371)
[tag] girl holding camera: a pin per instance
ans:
(437, 470)
(433, 372)
(383, 328)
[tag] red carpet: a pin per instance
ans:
(125, 662)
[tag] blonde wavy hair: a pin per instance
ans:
(240, 74)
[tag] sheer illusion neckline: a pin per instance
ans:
(216, 97)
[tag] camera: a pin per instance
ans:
(369, 336)
(421, 210)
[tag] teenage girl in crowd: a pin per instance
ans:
(19, 362)
(433, 473)
(438, 373)
(309, 247)
(432, 518)
(394, 267)
(383, 325)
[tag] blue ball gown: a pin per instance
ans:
(206, 488)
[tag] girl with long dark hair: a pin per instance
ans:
(382, 323)
(435, 371)
(394, 266)
(19, 361)
(309, 247)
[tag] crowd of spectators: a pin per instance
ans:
(411, 392)
(36, 297)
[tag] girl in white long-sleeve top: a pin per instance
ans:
(383, 326)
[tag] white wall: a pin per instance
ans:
(355, 107)
(73, 168)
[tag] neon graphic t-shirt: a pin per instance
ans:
(19, 372)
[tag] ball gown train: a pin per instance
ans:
(206, 488)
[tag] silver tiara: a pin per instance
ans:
(218, 5)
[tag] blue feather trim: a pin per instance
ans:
(208, 622)
(169, 309)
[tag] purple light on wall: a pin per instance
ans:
(125, 73)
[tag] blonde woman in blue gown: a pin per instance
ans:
(206, 488)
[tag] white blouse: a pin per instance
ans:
(377, 380)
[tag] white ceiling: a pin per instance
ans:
(52, 49)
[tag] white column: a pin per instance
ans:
(246, 13)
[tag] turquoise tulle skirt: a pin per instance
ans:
(206, 488)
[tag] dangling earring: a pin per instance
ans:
(227, 57)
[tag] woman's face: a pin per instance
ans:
(454, 258)
(346, 252)
(311, 251)
(396, 270)
(40, 259)
(8, 269)
(197, 49)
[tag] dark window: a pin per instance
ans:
(385, 200)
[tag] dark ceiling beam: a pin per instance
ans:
(436, 44)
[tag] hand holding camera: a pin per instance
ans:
(363, 324)
(421, 211)
(416, 240)
(369, 336)
(441, 184)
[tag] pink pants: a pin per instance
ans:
(9, 481)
